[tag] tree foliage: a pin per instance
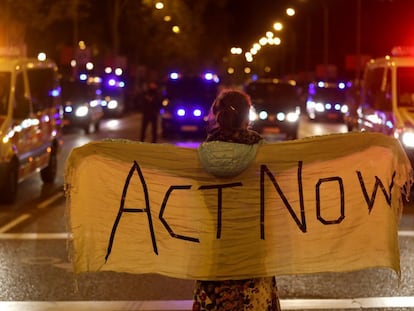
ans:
(133, 28)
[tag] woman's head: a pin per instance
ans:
(231, 110)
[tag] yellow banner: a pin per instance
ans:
(322, 204)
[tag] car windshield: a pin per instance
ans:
(78, 90)
(4, 92)
(192, 88)
(405, 86)
(273, 94)
(334, 94)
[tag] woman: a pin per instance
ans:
(230, 121)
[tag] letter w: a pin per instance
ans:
(378, 183)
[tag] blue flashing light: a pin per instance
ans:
(121, 84)
(174, 75)
(181, 112)
(55, 92)
(208, 76)
(197, 112)
(83, 77)
(112, 82)
(341, 85)
(312, 90)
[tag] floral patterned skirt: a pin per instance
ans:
(258, 294)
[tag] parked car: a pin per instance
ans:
(82, 103)
(30, 122)
(187, 103)
(276, 105)
(327, 101)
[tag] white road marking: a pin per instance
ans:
(50, 200)
(171, 305)
(406, 233)
(14, 222)
(66, 235)
(35, 236)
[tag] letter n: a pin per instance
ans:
(265, 170)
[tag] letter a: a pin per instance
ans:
(122, 209)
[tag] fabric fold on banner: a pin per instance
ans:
(320, 204)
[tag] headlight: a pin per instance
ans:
(94, 103)
(292, 117)
(113, 104)
(407, 138)
(281, 116)
(252, 114)
(263, 115)
(310, 104)
(81, 111)
(374, 119)
(319, 107)
(197, 112)
(180, 112)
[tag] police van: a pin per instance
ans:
(386, 102)
(30, 122)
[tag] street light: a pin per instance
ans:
(159, 5)
(278, 26)
(290, 11)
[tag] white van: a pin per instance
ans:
(30, 122)
(386, 102)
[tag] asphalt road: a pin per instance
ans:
(36, 274)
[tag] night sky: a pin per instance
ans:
(384, 24)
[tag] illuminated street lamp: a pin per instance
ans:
(263, 41)
(176, 29)
(159, 5)
(290, 11)
(278, 26)
(236, 51)
(41, 56)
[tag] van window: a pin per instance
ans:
(19, 92)
(22, 105)
(377, 90)
(405, 86)
(330, 94)
(42, 83)
(281, 95)
(190, 88)
(79, 91)
(4, 92)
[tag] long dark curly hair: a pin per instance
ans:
(230, 110)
